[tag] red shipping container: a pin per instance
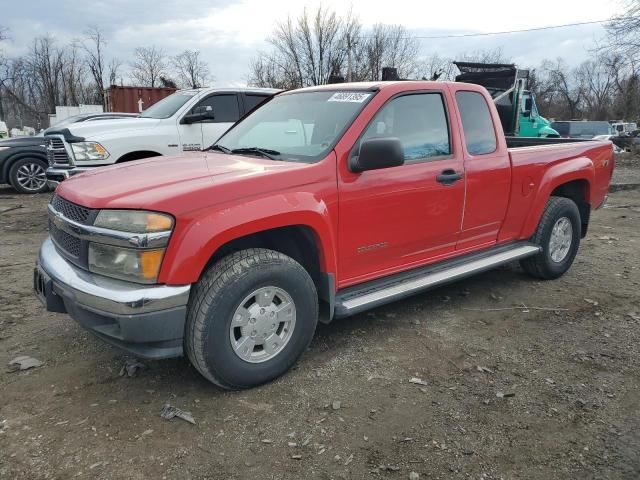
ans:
(127, 99)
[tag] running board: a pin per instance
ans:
(378, 292)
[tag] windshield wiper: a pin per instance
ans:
(219, 148)
(265, 152)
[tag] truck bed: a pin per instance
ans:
(520, 142)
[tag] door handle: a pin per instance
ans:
(449, 176)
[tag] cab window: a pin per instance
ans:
(419, 121)
(225, 108)
(477, 124)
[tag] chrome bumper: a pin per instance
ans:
(56, 175)
(147, 321)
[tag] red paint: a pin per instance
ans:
(366, 225)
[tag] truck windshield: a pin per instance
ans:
(301, 126)
(168, 106)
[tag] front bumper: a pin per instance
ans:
(146, 321)
(56, 175)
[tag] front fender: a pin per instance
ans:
(196, 239)
(579, 168)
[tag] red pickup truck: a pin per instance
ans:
(323, 202)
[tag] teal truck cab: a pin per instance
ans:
(516, 105)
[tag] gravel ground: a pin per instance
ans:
(516, 379)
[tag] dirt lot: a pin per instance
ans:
(551, 391)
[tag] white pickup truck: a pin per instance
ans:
(188, 120)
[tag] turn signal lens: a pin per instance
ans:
(158, 223)
(140, 266)
(150, 261)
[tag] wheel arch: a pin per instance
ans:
(571, 179)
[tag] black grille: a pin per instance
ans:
(56, 153)
(70, 210)
(68, 243)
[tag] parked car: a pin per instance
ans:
(627, 141)
(582, 129)
(187, 120)
(609, 138)
(622, 128)
(322, 203)
(23, 160)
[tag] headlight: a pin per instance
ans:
(132, 264)
(134, 221)
(140, 266)
(89, 151)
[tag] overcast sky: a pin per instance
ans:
(229, 33)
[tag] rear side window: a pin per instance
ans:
(477, 124)
(251, 101)
(419, 121)
(225, 107)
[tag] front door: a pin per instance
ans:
(398, 217)
(226, 111)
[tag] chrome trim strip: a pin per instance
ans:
(106, 235)
(436, 278)
(107, 294)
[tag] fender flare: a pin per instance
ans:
(196, 241)
(580, 168)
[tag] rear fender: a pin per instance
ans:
(197, 238)
(580, 168)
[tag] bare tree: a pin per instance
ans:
(113, 70)
(94, 47)
(561, 83)
(436, 67)
(192, 71)
(148, 66)
(4, 34)
(624, 31)
(597, 83)
(306, 50)
(388, 46)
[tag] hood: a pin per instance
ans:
(22, 141)
(177, 184)
(88, 130)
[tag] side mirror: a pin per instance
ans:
(376, 153)
(528, 106)
(199, 114)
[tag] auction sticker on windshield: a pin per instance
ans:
(356, 97)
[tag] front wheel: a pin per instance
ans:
(28, 175)
(558, 234)
(252, 315)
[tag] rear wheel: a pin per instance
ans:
(27, 175)
(558, 234)
(251, 317)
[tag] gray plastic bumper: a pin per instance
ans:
(147, 321)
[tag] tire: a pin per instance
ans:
(224, 294)
(558, 253)
(27, 175)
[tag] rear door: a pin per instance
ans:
(394, 218)
(487, 170)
